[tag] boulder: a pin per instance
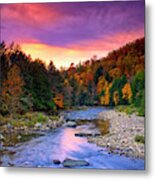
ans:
(1, 137)
(71, 124)
(70, 163)
(38, 125)
(19, 137)
(88, 133)
(56, 161)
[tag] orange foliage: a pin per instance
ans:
(101, 84)
(107, 95)
(58, 100)
(115, 73)
(105, 99)
(12, 89)
(116, 97)
(127, 92)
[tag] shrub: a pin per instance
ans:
(28, 119)
(141, 112)
(3, 120)
(41, 118)
(17, 123)
(54, 118)
(4, 109)
(140, 139)
(130, 109)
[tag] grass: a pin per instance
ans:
(27, 120)
(140, 139)
(13, 138)
(54, 118)
(18, 121)
(130, 109)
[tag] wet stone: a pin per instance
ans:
(70, 163)
(56, 161)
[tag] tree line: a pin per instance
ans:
(30, 85)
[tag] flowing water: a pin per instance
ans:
(62, 143)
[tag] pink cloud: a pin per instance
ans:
(109, 43)
(30, 14)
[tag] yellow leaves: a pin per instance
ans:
(139, 68)
(101, 84)
(127, 92)
(105, 99)
(107, 95)
(102, 100)
(116, 97)
(115, 73)
(58, 100)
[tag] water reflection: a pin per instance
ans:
(61, 144)
(70, 143)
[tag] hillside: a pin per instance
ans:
(117, 79)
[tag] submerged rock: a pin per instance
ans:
(88, 133)
(70, 163)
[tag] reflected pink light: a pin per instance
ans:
(69, 143)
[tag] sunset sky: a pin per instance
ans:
(71, 32)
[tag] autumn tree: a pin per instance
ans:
(12, 90)
(127, 93)
(103, 81)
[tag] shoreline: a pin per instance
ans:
(12, 135)
(122, 132)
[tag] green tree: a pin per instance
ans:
(137, 86)
(40, 91)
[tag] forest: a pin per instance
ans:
(30, 85)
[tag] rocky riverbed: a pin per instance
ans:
(66, 146)
(11, 135)
(122, 133)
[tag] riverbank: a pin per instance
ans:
(21, 128)
(126, 134)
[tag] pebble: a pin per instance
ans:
(1, 137)
(123, 129)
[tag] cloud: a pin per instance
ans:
(62, 57)
(72, 32)
(110, 42)
(62, 24)
(29, 14)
